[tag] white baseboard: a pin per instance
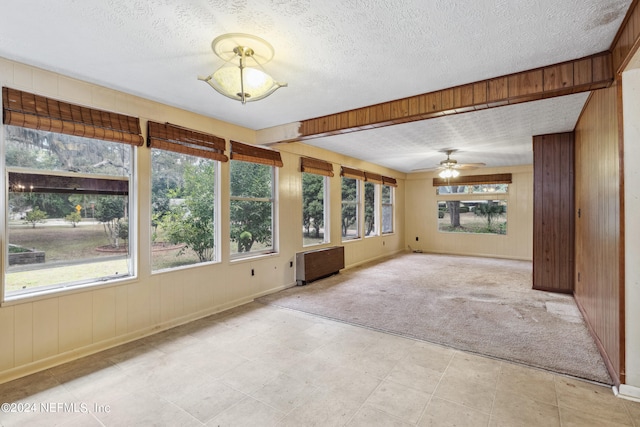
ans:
(628, 392)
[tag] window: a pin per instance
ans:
(315, 200)
(387, 209)
(467, 207)
(473, 189)
(183, 209)
(252, 199)
(314, 208)
(184, 201)
(350, 211)
(70, 211)
(472, 216)
(371, 209)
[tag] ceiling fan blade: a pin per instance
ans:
(469, 166)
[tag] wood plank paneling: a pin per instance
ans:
(627, 41)
(579, 75)
(553, 222)
(598, 284)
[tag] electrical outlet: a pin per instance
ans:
(253, 273)
(416, 238)
(290, 264)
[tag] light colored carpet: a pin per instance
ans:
(481, 305)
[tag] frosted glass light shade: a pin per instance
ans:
(257, 83)
(242, 77)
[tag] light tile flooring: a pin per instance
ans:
(259, 366)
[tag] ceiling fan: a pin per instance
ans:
(449, 167)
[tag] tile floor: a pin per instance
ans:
(259, 366)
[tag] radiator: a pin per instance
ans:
(319, 263)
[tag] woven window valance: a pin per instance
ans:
(255, 154)
(391, 182)
(498, 178)
(316, 166)
(351, 173)
(39, 112)
(373, 177)
(166, 136)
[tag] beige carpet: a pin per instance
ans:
(481, 305)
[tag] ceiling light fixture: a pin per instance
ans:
(449, 172)
(242, 77)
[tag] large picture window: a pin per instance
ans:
(69, 210)
(472, 216)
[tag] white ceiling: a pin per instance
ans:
(336, 55)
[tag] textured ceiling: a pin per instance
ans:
(335, 55)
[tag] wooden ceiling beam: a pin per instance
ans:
(580, 75)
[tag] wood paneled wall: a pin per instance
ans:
(599, 290)
(553, 210)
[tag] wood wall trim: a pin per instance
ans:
(627, 40)
(621, 244)
(579, 75)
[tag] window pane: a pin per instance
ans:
(370, 209)
(313, 209)
(350, 202)
(252, 206)
(251, 229)
(473, 216)
(62, 238)
(182, 209)
(473, 189)
(251, 180)
(387, 209)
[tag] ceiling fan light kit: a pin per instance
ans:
(242, 77)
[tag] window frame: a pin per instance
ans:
(217, 251)
(357, 203)
(76, 179)
(391, 205)
(376, 209)
(274, 213)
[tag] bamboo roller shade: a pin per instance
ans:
(368, 176)
(351, 173)
(391, 182)
(255, 154)
(166, 136)
(499, 178)
(316, 166)
(39, 112)
(373, 177)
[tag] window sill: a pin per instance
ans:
(64, 291)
